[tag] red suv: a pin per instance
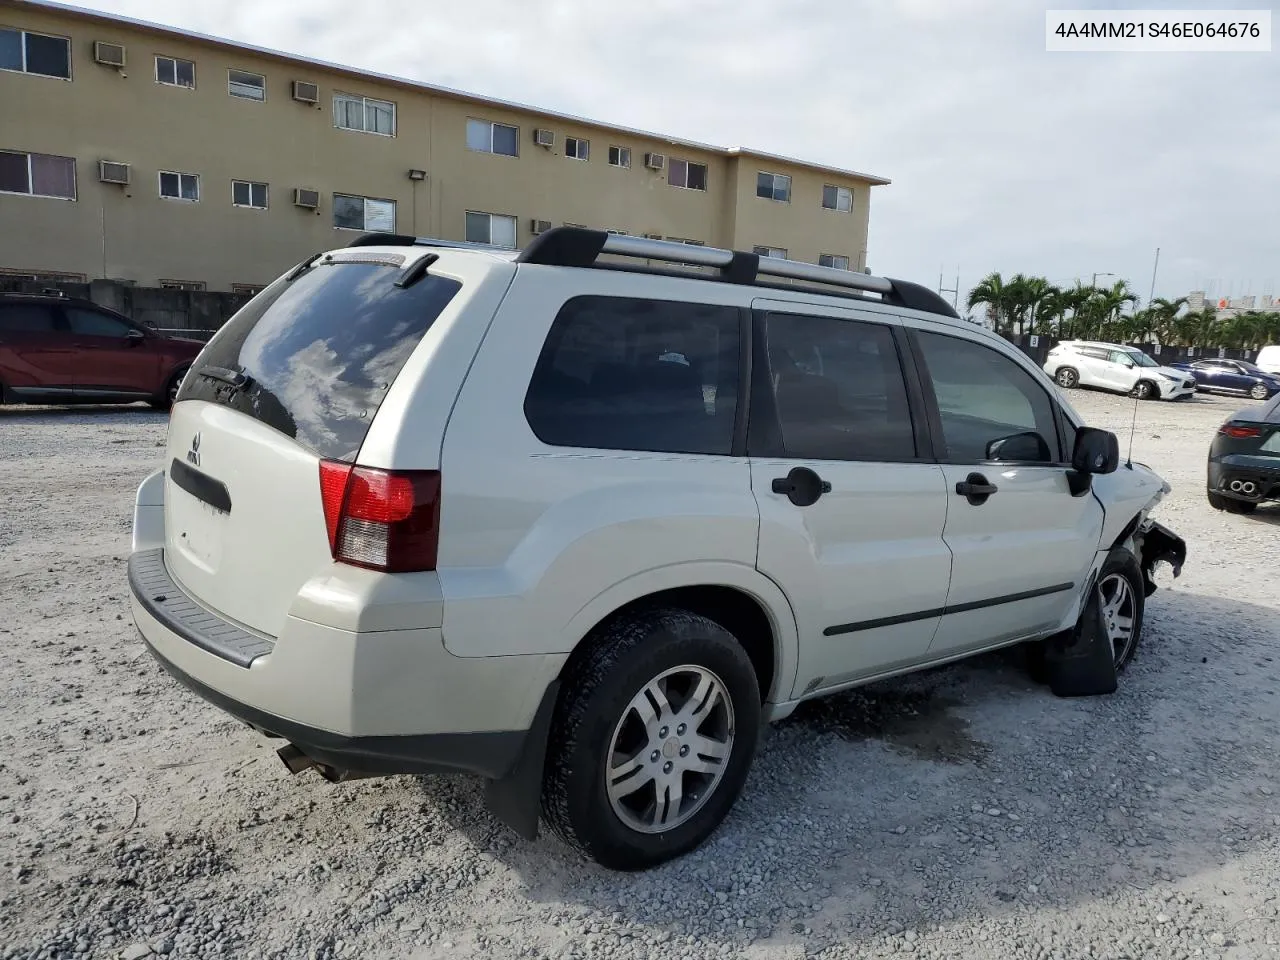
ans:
(62, 350)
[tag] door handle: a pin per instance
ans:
(975, 489)
(801, 486)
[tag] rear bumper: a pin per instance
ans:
(368, 702)
(1262, 472)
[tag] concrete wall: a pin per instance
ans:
(131, 233)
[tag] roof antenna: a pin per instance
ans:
(1133, 428)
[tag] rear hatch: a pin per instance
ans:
(294, 378)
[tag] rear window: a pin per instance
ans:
(320, 352)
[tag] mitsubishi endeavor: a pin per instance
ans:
(580, 519)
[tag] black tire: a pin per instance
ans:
(1259, 391)
(617, 663)
(1067, 377)
(1144, 390)
(164, 400)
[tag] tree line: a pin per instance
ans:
(1022, 305)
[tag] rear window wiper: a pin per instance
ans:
(232, 377)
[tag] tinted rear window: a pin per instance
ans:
(320, 352)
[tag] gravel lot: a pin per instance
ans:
(960, 813)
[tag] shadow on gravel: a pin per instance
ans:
(74, 414)
(965, 793)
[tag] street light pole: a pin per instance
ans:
(1094, 281)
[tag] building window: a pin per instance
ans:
(577, 148)
(364, 115)
(620, 157)
(45, 276)
(837, 198)
(690, 176)
(692, 243)
(35, 53)
(246, 193)
(38, 175)
(179, 186)
(175, 73)
(491, 228)
(778, 253)
(486, 137)
(773, 186)
(191, 286)
(248, 289)
(835, 261)
(364, 213)
(246, 86)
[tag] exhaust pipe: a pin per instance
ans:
(1236, 486)
(1249, 488)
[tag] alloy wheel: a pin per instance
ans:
(669, 751)
(1119, 607)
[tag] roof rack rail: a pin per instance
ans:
(581, 247)
(405, 240)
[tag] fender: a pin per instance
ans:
(749, 580)
(1158, 544)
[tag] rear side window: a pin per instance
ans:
(621, 373)
(25, 318)
(314, 358)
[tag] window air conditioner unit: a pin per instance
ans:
(544, 138)
(540, 226)
(110, 171)
(305, 92)
(655, 161)
(653, 236)
(108, 54)
(306, 198)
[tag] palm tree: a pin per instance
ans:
(994, 293)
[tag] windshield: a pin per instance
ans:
(1141, 359)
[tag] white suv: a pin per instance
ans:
(1111, 366)
(579, 525)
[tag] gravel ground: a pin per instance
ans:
(958, 813)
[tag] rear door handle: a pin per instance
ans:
(801, 486)
(976, 489)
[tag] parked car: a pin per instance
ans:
(1244, 459)
(1112, 366)
(1268, 359)
(1231, 376)
(580, 529)
(57, 349)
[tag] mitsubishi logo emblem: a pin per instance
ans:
(193, 455)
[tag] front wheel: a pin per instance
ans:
(1259, 391)
(1143, 390)
(652, 739)
(166, 399)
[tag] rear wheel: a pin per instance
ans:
(1067, 377)
(652, 739)
(1143, 390)
(1259, 391)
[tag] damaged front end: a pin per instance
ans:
(1156, 544)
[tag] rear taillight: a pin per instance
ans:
(1240, 432)
(381, 519)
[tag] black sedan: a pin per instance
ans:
(1244, 459)
(1237, 377)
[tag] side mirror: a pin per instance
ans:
(1097, 451)
(1027, 447)
(135, 336)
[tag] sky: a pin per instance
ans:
(1003, 157)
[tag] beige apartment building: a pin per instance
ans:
(142, 153)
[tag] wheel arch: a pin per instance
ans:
(740, 599)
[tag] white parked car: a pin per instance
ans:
(1111, 366)
(1269, 359)
(579, 527)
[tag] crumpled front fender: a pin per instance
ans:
(1156, 543)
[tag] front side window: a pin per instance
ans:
(484, 136)
(773, 186)
(835, 198)
(35, 53)
(172, 72)
(246, 193)
(621, 373)
(180, 186)
(38, 175)
(364, 213)
(686, 174)
(364, 114)
(91, 323)
(246, 86)
(491, 228)
(838, 389)
(576, 148)
(987, 403)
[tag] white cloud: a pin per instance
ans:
(1003, 157)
